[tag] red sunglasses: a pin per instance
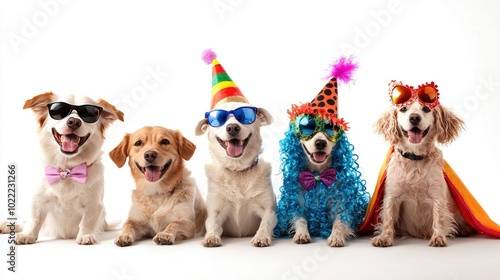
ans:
(403, 95)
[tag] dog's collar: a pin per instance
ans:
(254, 163)
(411, 156)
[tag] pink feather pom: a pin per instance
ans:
(208, 55)
(343, 69)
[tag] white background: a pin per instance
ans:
(277, 52)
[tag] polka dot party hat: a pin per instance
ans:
(223, 88)
(326, 101)
(327, 98)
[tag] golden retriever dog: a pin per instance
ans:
(69, 201)
(166, 204)
(417, 201)
(240, 197)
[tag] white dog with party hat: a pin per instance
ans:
(240, 198)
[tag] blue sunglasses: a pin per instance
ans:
(244, 115)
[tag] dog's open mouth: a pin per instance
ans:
(317, 157)
(234, 147)
(415, 135)
(153, 173)
(69, 143)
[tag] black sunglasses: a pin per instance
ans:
(88, 113)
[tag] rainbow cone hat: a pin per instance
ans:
(223, 88)
(326, 101)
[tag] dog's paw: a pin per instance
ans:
(124, 240)
(86, 239)
(261, 240)
(212, 240)
(164, 238)
(438, 241)
(382, 240)
(25, 239)
(335, 240)
(302, 238)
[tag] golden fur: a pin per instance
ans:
(166, 203)
(67, 209)
(240, 198)
(417, 201)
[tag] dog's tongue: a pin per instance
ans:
(319, 156)
(69, 142)
(234, 147)
(415, 136)
(152, 173)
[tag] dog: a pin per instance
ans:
(240, 198)
(166, 203)
(417, 201)
(332, 201)
(69, 202)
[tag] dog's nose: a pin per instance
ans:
(320, 144)
(415, 119)
(233, 129)
(150, 156)
(74, 123)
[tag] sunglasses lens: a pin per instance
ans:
(89, 113)
(330, 129)
(427, 94)
(59, 110)
(245, 115)
(400, 94)
(307, 125)
(217, 118)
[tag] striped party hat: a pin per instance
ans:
(223, 88)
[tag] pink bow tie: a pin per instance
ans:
(78, 173)
(308, 180)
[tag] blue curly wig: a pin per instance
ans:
(347, 194)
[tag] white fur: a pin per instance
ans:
(239, 203)
(66, 208)
(417, 201)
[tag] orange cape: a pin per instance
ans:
(470, 209)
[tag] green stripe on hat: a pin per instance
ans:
(220, 77)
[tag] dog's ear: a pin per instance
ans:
(264, 117)
(39, 105)
(109, 114)
(387, 126)
(201, 127)
(185, 147)
(448, 125)
(120, 153)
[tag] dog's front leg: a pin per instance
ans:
(340, 233)
(439, 214)
(217, 213)
(39, 213)
(180, 228)
(302, 235)
(264, 234)
(128, 235)
(390, 210)
(92, 216)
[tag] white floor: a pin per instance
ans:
(475, 257)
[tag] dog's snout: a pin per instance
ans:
(74, 123)
(233, 129)
(320, 144)
(150, 156)
(415, 119)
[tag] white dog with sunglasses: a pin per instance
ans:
(240, 199)
(68, 203)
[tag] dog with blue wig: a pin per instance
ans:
(323, 193)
